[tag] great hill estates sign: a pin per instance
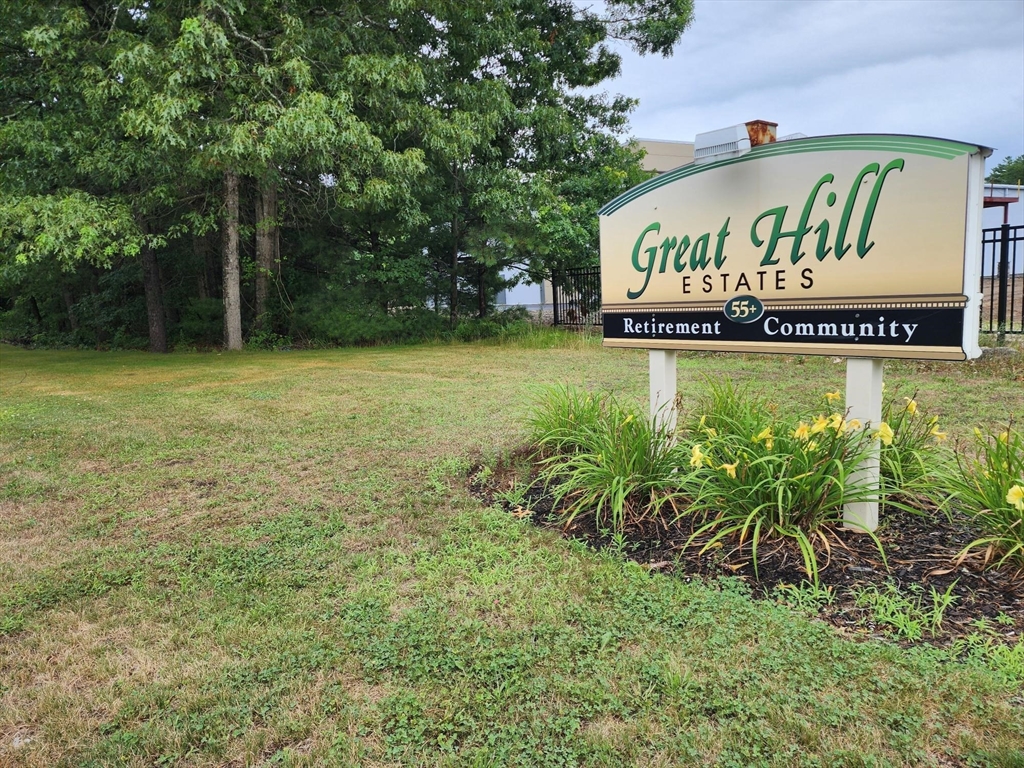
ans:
(838, 245)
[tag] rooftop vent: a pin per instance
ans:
(733, 141)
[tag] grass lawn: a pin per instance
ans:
(272, 559)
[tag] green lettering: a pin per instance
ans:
(668, 245)
(680, 260)
(798, 234)
(869, 213)
(844, 222)
(803, 227)
(720, 244)
(699, 260)
(822, 232)
(779, 214)
(652, 253)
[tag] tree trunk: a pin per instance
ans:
(69, 305)
(266, 246)
(94, 290)
(202, 279)
(154, 294)
(36, 314)
(232, 275)
(453, 298)
(482, 292)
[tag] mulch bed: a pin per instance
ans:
(920, 556)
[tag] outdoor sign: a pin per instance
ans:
(853, 246)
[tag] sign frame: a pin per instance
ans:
(900, 169)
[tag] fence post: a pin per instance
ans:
(1004, 280)
(555, 298)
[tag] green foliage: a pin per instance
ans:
(622, 468)
(1010, 171)
(908, 615)
(987, 646)
(759, 477)
(805, 596)
(910, 461)
(564, 419)
(736, 472)
(417, 151)
(368, 325)
(506, 325)
(67, 228)
(989, 488)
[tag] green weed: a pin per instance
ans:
(908, 615)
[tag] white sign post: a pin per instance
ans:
(663, 388)
(864, 402)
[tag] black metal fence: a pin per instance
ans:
(576, 296)
(577, 292)
(1002, 281)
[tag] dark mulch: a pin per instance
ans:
(920, 556)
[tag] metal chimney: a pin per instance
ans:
(733, 141)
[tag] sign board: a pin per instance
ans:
(853, 246)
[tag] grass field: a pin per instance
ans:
(272, 559)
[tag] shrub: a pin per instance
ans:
(761, 478)
(611, 461)
(989, 487)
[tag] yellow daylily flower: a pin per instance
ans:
(765, 435)
(833, 396)
(820, 422)
(977, 434)
(703, 420)
(696, 456)
(938, 435)
(1004, 437)
(628, 419)
(812, 446)
(1015, 497)
(802, 431)
(730, 469)
(911, 406)
(884, 433)
(838, 423)
(853, 425)
(711, 432)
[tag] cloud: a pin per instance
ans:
(950, 69)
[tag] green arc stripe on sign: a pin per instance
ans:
(918, 145)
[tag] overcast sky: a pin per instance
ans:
(947, 68)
